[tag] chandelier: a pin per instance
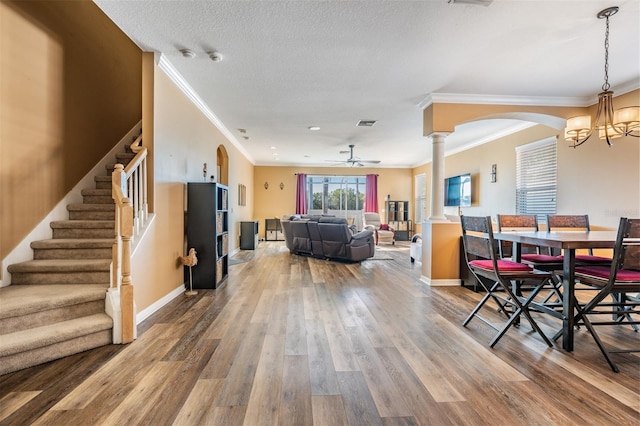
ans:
(610, 124)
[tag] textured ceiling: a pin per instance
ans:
(288, 65)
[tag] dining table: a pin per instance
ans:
(568, 242)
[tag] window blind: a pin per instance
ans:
(536, 178)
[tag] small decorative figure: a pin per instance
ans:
(190, 261)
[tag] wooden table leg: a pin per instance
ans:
(568, 307)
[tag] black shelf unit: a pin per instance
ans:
(208, 233)
(398, 219)
(249, 235)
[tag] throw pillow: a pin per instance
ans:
(384, 227)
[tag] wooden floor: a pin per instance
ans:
(299, 341)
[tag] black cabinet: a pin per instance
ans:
(248, 235)
(208, 233)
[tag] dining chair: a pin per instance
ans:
(619, 280)
(504, 281)
(573, 223)
(531, 255)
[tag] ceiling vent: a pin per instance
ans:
(366, 123)
(476, 2)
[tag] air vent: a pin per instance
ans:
(476, 2)
(366, 123)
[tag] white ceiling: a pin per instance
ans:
(288, 65)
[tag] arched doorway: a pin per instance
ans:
(222, 158)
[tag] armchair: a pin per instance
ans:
(383, 232)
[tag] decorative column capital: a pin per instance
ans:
(438, 135)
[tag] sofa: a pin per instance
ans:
(326, 237)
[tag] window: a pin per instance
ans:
(335, 194)
(536, 178)
(421, 197)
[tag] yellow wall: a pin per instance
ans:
(184, 139)
(70, 89)
(274, 202)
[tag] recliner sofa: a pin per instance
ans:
(326, 237)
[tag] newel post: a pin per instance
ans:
(121, 269)
(126, 288)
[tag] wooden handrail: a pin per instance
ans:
(129, 192)
(136, 162)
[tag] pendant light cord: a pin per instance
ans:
(606, 86)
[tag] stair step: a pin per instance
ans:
(125, 158)
(73, 248)
(61, 271)
(92, 211)
(23, 307)
(102, 182)
(26, 348)
(97, 196)
(83, 228)
(96, 191)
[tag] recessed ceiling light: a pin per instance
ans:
(476, 2)
(246, 138)
(274, 154)
(314, 128)
(273, 147)
(242, 130)
(188, 53)
(215, 56)
(366, 123)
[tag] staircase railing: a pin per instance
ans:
(129, 190)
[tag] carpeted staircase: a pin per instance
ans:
(55, 305)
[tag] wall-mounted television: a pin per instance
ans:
(457, 191)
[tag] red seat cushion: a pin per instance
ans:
(626, 275)
(503, 265)
(541, 258)
(592, 259)
(384, 227)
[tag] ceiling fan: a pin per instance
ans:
(353, 161)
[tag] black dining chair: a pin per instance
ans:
(619, 280)
(511, 285)
(532, 255)
(573, 223)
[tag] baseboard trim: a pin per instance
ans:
(160, 303)
(441, 283)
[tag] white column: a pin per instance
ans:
(437, 176)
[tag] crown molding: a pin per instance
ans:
(460, 98)
(178, 80)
